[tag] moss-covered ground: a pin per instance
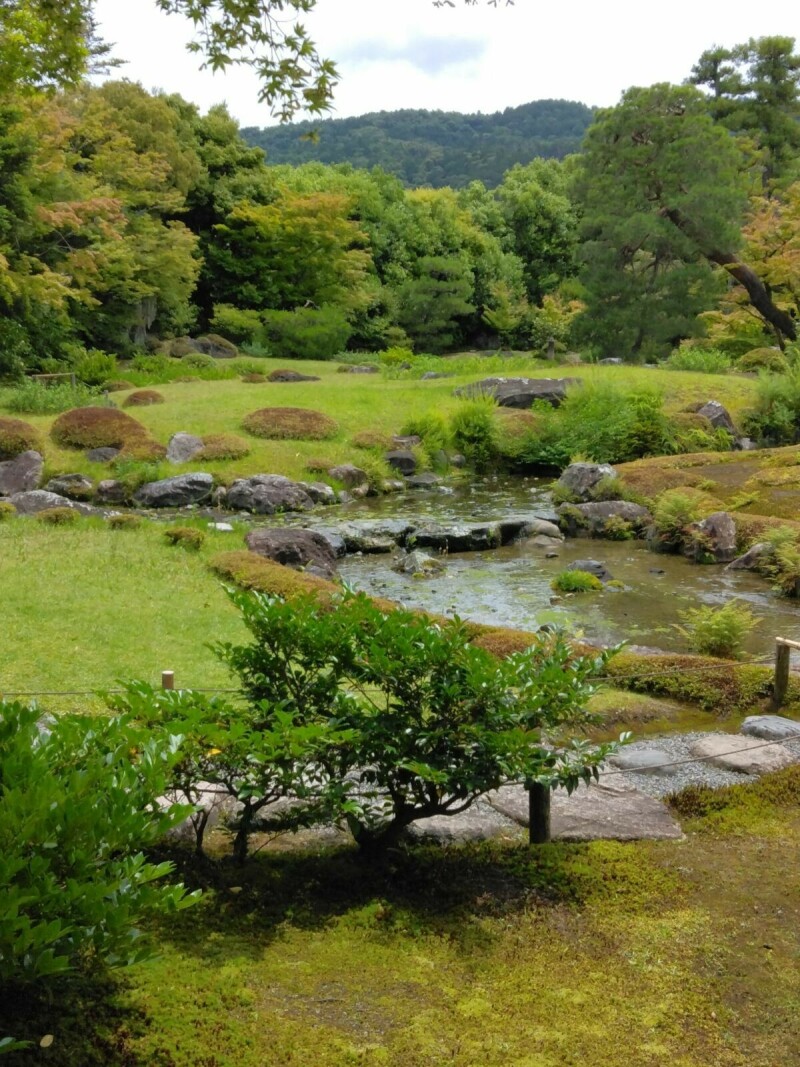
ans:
(626, 955)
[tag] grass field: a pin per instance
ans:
(360, 402)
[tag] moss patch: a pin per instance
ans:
(290, 424)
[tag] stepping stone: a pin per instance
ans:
(732, 752)
(596, 812)
(771, 727)
(478, 823)
(644, 761)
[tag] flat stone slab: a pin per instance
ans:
(747, 755)
(644, 761)
(480, 822)
(600, 811)
(771, 727)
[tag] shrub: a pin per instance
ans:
(616, 528)
(185, 537)
(768, 359)
(7, 510)
(143, 398)
(702, 360)
(718, 631)
(781, 560)
(198, 361)
(431, 428)
(78, 804)
(576, 582)
(306, 333)
(59, 516)
(775, 416)
(35, 398)
(224, 446)
(16, 437)
(91, 366)
(238, 324)
(474, 432)
(94, 427)
(673, 512)
(398, 718)
(396, 356)
(124, 522)
(294, 424)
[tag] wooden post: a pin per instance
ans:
(168, 679)
(538, 813)
(783, 649)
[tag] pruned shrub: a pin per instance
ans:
(701, 360)
(96, 428)
(7, 510)
(241, 325)
(576, 582)
(16, 437)
(317, 465)
(198, 361)
(59, 516)
(294, 424)
(769, 359)
(92, 366)
(223, 446)
(718, 631)
(124, 522)
(143, 398)
(185, 537)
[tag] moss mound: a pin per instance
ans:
(769, 359)
(7, 510)
(369, 439)
(251, 571)
(96, 428)
(292, 424)
(254, 378)
(17, 437)
(116, 386)
(224, 446)
(142, 398)
(124, 522)
(185, 537)
(58, 516)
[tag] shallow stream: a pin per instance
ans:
(511, 586)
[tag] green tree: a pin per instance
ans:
(433, 305)
(663, 193)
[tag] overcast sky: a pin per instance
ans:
(406, 53)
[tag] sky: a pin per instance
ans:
(408, 54)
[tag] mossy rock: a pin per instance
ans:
(143, 398)
(17, 437)
(292, 424)
(220, 446)
(94, 427)
(692, 420)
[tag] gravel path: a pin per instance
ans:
(676, 747)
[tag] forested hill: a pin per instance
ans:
(436, 148)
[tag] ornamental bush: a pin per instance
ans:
(16, 437)
(295, 424)
(95, 427)
(143, 398)
(223, 446)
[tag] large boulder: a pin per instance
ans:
(751, 560)
(75, 486)
(284, 375)
(349, 475)
(320, 492)
(175, 492)
(771, 728)
(458, 538)
(592, 519)
(21, 474)
(375, 538)
(419, 564)
(102, 455)
(581, 480)
(31, 503)
(520, 392)
(593, 567)
(713, 540)
(266, 494)
(747, 755)
(402, 460)
(524, 528)
(183, 447)
(215, 346)
(717, 415)
(302, 549)
(111, 491)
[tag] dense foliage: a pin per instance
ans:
(436, 148)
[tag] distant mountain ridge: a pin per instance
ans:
(434, 148)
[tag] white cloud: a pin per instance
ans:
(537, 49)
